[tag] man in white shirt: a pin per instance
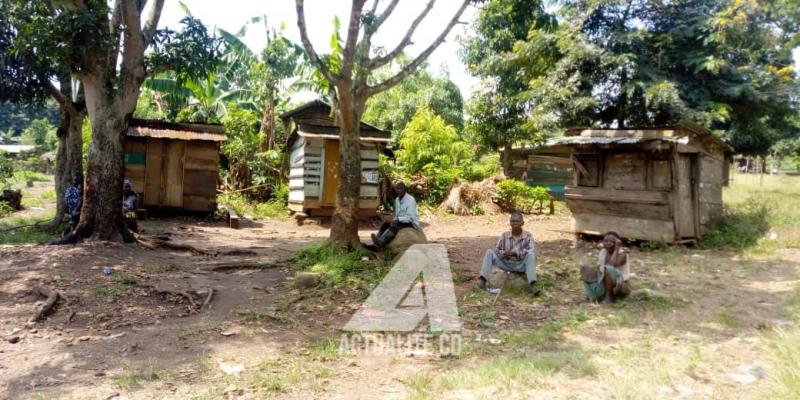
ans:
(405, 216)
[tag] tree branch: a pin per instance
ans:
(383, 60)
(312, 54)
(152, 21)
(408, 69)
(370, 30)
(59, 97)
(353, 30)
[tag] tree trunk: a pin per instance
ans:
(506, 160)
(101, 216)
(344, 225)
(69, 157)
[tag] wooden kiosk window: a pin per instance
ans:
(588, 167)
(659, 173)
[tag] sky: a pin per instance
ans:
(231, 15)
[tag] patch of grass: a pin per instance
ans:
(784, 354)
(5, 209)
(501, 374)
(758, 218)
(161, 268)
(653, 303)
(25, 175)
(339, 266)
(546, 335)
(325, 349)
(28, 201)
(49, 195)
(125, 279)
(29, 234)
(244, 206)
(727, 320)
(133, 377)
(109, 292)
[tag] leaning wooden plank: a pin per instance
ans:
(233, 219)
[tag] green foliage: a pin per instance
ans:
(37, 234)
(514, 195)
(428, 142)
(5, 209)
(485, 167)
(40, 133)
(248, 165)
(723, 63)
(6, 170)
(740, 227)
(146, 107)
(275, 208)
(393, 109)
(339, 266)
(497, 112)
(14, 118)
(25, 175)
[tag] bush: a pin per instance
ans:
(740, 227)
(275, 208)
(486, 167)
(6, 170)
(429, 143)
(514, 195)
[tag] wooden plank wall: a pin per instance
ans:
(296, 172)
(201, 163)
(154, 188)
(312, 168)
(711, 175)
(173, 173)
(135, 173)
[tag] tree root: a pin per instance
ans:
(234, 265)
(52, 298)
(208, 298)
(164, 243)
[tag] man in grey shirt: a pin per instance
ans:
(405, 216)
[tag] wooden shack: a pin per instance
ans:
(661, 184)
(313, 146)
(174, 165)
(545, 167)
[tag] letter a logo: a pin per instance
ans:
(419, 285)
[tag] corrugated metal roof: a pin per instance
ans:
(336, 136)
(568, 140)
(143, 131)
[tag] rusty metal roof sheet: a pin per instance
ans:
(578, 140)
(141, 131)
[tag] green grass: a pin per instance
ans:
(28, 235)
(25, 175)
(501, 375)
(109, 292)
(134, 376)
(546, 335)
(125, 279)
(244, 206)
(324, 349)
(339, 266)
(758, 219)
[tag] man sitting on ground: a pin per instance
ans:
(609, 279)
(405, 216)
(515, 252)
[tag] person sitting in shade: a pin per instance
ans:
(405, 216)
(515, 252)
(73, 197)
(609, 279)
(130, 201)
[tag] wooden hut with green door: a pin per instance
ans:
(174, 165)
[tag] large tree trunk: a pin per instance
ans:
(344, 225)
(101, 216)
(506, 160)
(69, 157)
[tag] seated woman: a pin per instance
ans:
(609, 279)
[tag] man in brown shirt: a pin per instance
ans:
(515, 252)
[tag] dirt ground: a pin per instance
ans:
(143, 332)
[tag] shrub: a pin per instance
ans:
(6, 170)
(486, 167)
(429, 143)
(514, 195)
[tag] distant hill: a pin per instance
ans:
(19, 117)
